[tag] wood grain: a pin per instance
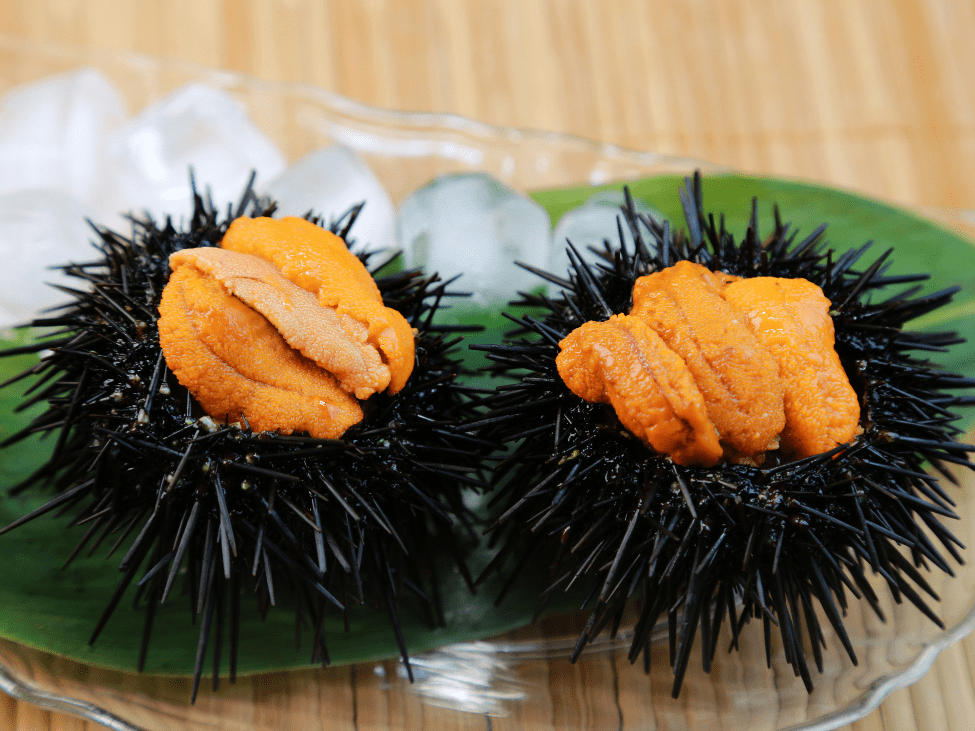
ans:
(866, 94)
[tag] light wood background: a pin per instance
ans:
(872, 95)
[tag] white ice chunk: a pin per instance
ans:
(39, 229)
(53, 133)
(472, 224)
(196, 127)
(329, 182)
(590, 225)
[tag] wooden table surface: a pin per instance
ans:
(871, 95)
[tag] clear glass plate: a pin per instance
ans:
(522, 680)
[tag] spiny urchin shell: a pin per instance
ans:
(330, 523)
(701, 545)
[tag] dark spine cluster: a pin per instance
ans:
(701, 547)
(324, 524)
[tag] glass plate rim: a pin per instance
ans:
(347, 105)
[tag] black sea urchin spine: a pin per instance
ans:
(704, 546)
(329, 523)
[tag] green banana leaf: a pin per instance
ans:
(55, 609)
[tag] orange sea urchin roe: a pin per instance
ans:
(244, 335)
(625, 363)
(751, 361)
(735, 372)
(791, 317)
(236, 364)
(314, 330)
(319, 261)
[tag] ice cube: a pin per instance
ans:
(53, 133)
(196, 127)
(590, 225)
(39, 229)
(473, 224)
(331, 180)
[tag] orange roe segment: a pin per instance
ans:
(237, 365)
(319, 261)
(624, 363)
(315, 331)
(791, 317)
(736, 373)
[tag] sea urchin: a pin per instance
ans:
(704, 542)
(328, 522)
